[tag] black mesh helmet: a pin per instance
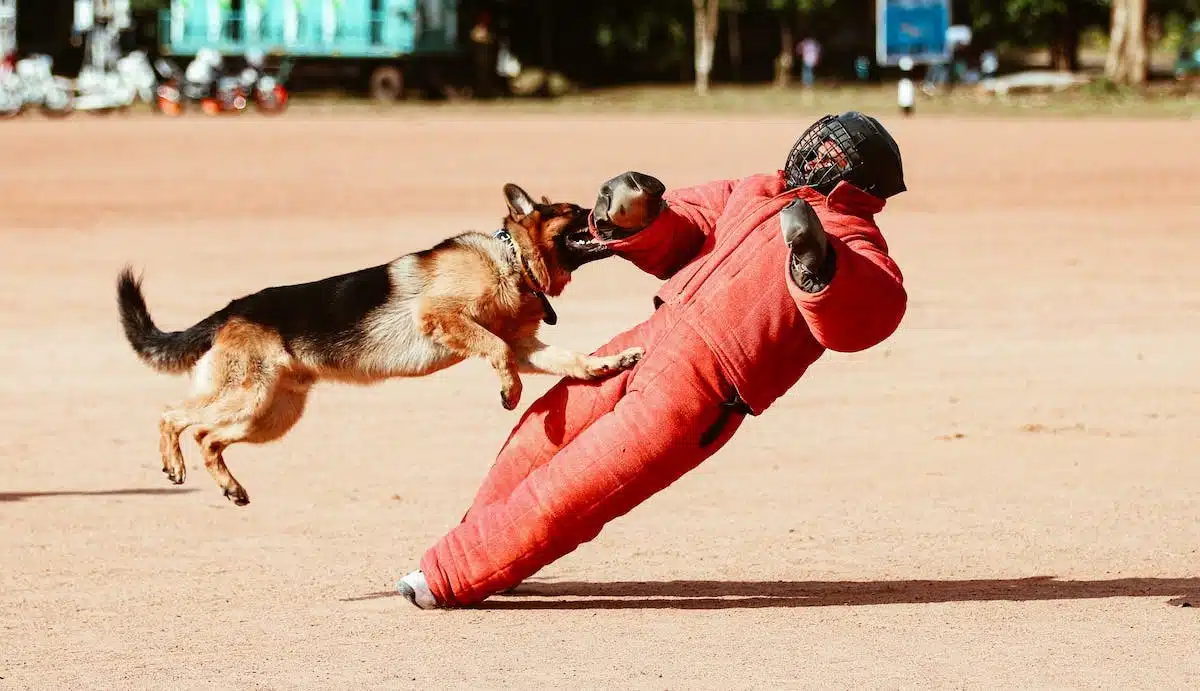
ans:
(851, 147)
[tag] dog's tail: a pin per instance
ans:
(174, 352)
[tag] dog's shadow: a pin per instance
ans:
(707, 595)
(154, 492)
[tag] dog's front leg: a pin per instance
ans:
(535, 356)
(467, 338)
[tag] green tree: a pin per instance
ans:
(1056, 24)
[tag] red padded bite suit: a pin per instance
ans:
(731, 326)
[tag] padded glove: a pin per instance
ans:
(812, 260)
(627, 204)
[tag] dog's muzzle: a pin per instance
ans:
(580, 246)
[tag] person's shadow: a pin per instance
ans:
(707, 595)
(756, 594)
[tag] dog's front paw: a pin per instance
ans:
(615, 363)
(510, 396)
(629, 358)
(237, 494)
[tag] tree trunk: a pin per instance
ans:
(1064, 53)
(1126, 62)
(1064, 47)
(1139, 67)
(547, 35)
(735, 45)
(707, 17)
(783, 63)
(1118, 29)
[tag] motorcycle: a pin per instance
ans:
(32, 83)
(230, 94)
(168, 93)
(228, 97)
(104, 92)
(136, 71)
(174, 91)
(222, 94)
(11, 99)
(270, 94)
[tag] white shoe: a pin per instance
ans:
(416, 590)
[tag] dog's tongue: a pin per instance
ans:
(592, 225)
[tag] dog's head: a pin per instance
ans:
(558, 235)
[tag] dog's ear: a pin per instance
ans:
(546, 200)
(520, 204)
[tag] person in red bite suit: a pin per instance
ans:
(764, 274)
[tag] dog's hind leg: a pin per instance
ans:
(535, 356)
(177, 418)
(255, 415)
(256, 398)
(174, 421)
(467, 338)
(213, 443)
(227, 421)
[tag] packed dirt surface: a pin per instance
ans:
(1005, 494)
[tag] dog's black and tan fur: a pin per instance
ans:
(472, 295)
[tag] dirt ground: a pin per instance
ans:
(1006, 494)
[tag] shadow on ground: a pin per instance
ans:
(702, 595)
(22, 496)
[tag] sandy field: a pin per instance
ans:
(1006, 494)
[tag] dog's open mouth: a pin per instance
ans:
(580, 246)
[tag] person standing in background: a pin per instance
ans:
(905, 91)
(482, 41)
(989, 64)
(810, 55)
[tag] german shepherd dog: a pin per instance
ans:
(253, 363)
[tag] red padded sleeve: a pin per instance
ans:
(676, 236)
(866, 300)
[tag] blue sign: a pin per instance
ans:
(913, 28)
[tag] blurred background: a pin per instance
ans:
(1001, 495)
(911, 51)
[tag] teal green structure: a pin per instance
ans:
(364, 29)
(1188, 63)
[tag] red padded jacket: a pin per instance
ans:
(720, 247)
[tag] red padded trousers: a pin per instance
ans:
(584, 454)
